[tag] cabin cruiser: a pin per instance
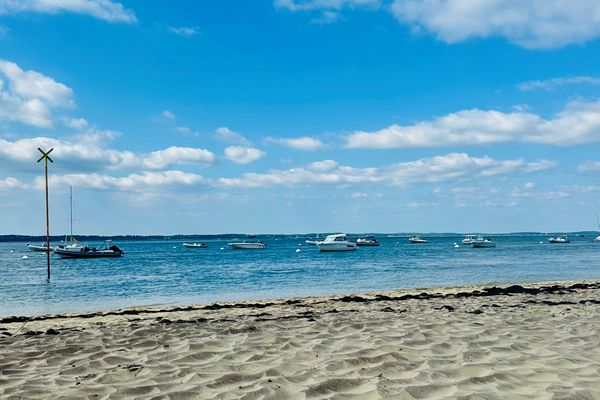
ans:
(482, 242)
(195, 245)
(559, 239)
(417, 239)
(246, 245)
(468, 240)
(337, 242)
(367, 241)
(106, 250)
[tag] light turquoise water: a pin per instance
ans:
(163, 272)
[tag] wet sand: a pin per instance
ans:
(533, 342)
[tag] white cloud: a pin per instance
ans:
(328, 10)
(304, 143)
(531, 24)
(325, 165)
(166, 114)
(184, 30)
(75, 123)
(103, 9)
(550, 84)
(11, 183)
(90, 150)
(450, 167)
(226, 135)
(243, 155)
(578, 123)
(30, 97)
(589, 166)
(134, 182)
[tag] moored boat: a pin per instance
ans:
(559, 239)
(416, 239)
(195, 245)
(106, 250)
(337, 242)
(482, 242)
(41, 247)
(246, 245)
(367, 241)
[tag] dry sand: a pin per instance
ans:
(469, 343)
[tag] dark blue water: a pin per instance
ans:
(163, 272)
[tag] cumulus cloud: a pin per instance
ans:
(577, 123)
(243, 155)
(29, 97)
(133, 182)
(103, 9)
(226, 135)
(90, 150)
(304, 143)
(550, 84)
(184, 30)
(530, 24)
(450, 167)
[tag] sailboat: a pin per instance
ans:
(598, 222)
(71, 243)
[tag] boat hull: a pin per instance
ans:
(336, 246)
(87, 254)
(247, 246)
(413, 241)
(195, 245)
(33, 247)
(367, 244)
(483, 245)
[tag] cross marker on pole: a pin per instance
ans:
(45, 156)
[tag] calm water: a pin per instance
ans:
(163, 272)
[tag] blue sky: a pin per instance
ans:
(300, 115)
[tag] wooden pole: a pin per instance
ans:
(47, 220)
(47, 158)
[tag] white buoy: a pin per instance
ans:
(25, 258)
(456, 246)
(541, 242)
(12, 251)
(455, 243)
(298, 251)
(222, 248)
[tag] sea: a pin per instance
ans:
(163, 272)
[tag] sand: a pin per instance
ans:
(464, 343)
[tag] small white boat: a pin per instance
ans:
(337, 242)
(559, 239)
(41, 247)
(416, 239)
(482, 242)
(367, 241)
(245, 245)
(468, 240)
(195, 245)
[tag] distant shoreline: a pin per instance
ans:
(57, 238)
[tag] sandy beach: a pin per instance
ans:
(518, 342)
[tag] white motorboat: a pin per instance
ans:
(246, 245)
(468, 240)
(337, 242)
(482, 242)
(195, 245)
(559, 239)
(41, 247)
(416, 239)
(367, 241)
